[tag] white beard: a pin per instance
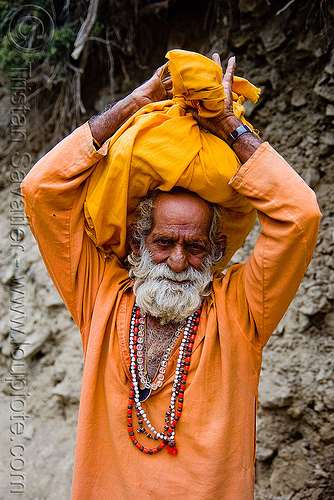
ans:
(159, 297)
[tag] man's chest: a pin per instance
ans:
(157, 339)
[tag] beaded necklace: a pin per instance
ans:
(136, 395)
(146, 386)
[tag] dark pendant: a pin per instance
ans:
(144, 393)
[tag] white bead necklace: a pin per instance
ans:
(138, 395)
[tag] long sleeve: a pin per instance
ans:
(53, 194)
(289, 216)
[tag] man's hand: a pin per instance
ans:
(157, 88)
(223, 124)
(227, 122)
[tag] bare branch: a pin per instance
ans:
(111, 65)
(284, 8)
(154, 8)
(85, 29)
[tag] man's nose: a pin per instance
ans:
(177, 260)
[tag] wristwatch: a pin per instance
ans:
(235, 134)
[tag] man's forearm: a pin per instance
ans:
(104, 125)
(157, 88)
(245, 145)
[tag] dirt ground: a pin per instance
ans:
(295, 425)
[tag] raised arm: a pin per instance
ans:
(54, 194)
(157, 88)
(289, 216)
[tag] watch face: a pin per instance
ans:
(233, 136)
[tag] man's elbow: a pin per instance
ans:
(28, 191)
(312, 221)
(314, 210)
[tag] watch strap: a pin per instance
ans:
(235, 134)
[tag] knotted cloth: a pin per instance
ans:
(162, 146)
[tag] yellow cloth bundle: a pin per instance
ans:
(162, 146)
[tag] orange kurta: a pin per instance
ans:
(216, 434)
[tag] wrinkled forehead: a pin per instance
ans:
(182, 208)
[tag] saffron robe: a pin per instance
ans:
(216, 433)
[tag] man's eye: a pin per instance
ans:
(196, 247)
(164, 242)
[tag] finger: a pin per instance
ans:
(167, 82)
(162, 72)
(169, 94)
(228, 76)
(201, 121)
(216, 59)
(194, 112)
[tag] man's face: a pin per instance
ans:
(179, 236)
(172, 270)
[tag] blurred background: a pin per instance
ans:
(61, 62)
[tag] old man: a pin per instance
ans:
(172, 345)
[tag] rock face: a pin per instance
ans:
(295, 426)
(324, 87)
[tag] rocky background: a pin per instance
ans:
(286, 49)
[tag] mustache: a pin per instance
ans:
(163, 272)
(143, 267)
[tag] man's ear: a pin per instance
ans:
(132, 241)
(222, 239)
(134, 247)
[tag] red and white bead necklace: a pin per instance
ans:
(136, 396)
